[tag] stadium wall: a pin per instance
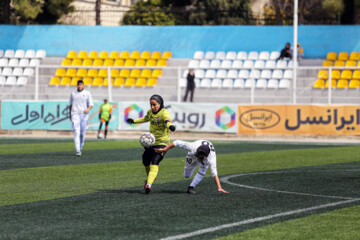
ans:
(183, 41)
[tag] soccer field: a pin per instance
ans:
(277, 191)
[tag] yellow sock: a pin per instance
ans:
(154, 169)
(147, 170)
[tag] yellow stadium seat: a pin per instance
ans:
(109, 63)
(135, 73)
(135, 55)
(333, 83)
(66, 62)
(97, 81)
(103, 73)
(93, 55)
(129, 82)
(114, 73)
(65, 81)
(335, 74)
(161, 63)
(106, 82)
(356, 74)
(74, 81)
(98, 63)
(76, 62)
(145, 73)
(156, 73)
(319, 84)
(92, 73)
(70, 72)
(327, 63)
(323, 74)
(346, 74)
(129, 63)
(124, 73)
(103, 55)
(124, 55)
(354, 56)
(119, 63)
(118, 82)
(151, 63)
(82, 54)
(156, 55)
(343, 56)
(145, 55)
(71, 54)
(114, 55)
(81, 72)
(350, 63)
(54, 81)
(87, 81)
(151, 82)
(60, 72)
(87, 62)
(331, 56)
(339, 63)
(166, 55)
(354, 83)
(140, 63)
(342, 83)
(140, 82)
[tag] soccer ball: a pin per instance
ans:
(147, 140)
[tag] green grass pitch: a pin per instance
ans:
(277, 191)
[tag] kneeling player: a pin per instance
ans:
(202, 153)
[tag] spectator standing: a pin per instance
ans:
(190, 85)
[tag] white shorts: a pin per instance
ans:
(79, 121)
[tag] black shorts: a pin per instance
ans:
(149, 155)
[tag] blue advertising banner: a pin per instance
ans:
(47, 115)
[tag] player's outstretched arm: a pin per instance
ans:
(168, 147)
(217, 181)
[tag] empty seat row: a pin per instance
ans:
(244, 73)
(18, 71)
(239, 64)
(340, 63)
(343, 56)
(83, 72)
(20, 53)
(23, 62)
(12, 80)
(116, 62)
(121, 55)
(232, 55)
(336, 74)
(98, 82)
(240, 83)
(341, 83)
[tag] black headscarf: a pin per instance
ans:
(159, 100)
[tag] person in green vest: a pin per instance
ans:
(104, 116)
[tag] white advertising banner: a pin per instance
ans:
(197, 117)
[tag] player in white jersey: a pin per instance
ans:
(201, 153)
(80, 104)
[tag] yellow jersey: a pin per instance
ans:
(159, 125)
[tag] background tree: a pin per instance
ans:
(53, 10)
(334, 7)
(97, 12)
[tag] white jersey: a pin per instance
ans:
(80, 101)
(192, 147)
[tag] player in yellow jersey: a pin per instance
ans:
(160, 124)
(104, 116)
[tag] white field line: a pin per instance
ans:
(264, 218)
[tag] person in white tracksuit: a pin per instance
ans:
(80, 104)
(201, 153)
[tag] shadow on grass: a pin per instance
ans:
(140, 191)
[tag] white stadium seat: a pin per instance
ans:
(210, 55)
(284, 83)
(28, 72)
(30, 54)
(198, 55)
(255, 73)
(270, 64)
(205, 83)
(183, 82)
(7, 71)
(185, 73)
(216, 83)
(220, 55)
(274, 55)
(0, 71)
(231, 55)
(14, 62)
(10, 81)
(232, 74)
(204, 64)
(277, 74)
(20, 53)
(265, 74)
(193, 63)
(18, 71)
(24, 62)
(290, 63)
(1, 53)
(264, 55)
(261, 83)
(199, 73)
(239, 83)
(237, 64)
(34, 62)
(241, 55)
(210, 73)
(22, 81)
(288, 74)
(259, 64)
(197, 82)
(248, 64)
(281, 64)
(2, 80)
(221, 73)
(249, 83)
(227, 83)
(9, 53)
(273, 83)
(40, 53)
(226, 64)
(243, 73)
(253, 55)
(215, 63)
(4, 62)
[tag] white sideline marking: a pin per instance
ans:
(258, 219)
